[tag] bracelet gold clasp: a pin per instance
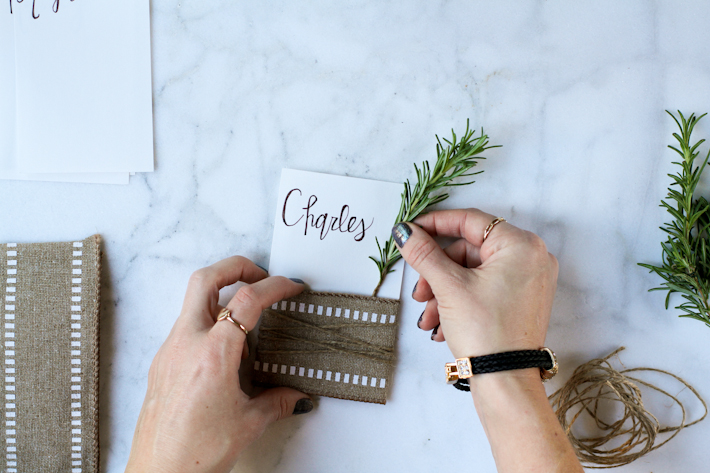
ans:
(549, 374)
(461, 369)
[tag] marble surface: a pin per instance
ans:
(574, 93)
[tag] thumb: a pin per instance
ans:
(279, 403)
(424, 254)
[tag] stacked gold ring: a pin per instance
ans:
(490, 226)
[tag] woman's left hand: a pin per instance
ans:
(195, 416)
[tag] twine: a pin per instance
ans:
(338, 343)
(636, 433)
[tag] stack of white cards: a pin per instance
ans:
(75, 90)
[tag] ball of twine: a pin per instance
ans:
(624, 440)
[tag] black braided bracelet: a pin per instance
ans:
(458, 373)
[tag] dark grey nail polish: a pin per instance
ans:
(297, 281)
(265, 270)
(415, 288)
(436, 329)
(401, 233)
(419, 322)
(303, 406)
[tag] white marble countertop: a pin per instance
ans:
(575, 94)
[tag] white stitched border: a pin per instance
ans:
(10, 407)
(75, 347)
(312, 309)
(324, 375)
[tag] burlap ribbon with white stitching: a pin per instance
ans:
(51, 335)
(336, 345)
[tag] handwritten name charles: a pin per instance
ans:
(342, 223)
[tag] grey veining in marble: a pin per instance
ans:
(575, 93)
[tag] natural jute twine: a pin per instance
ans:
(626, 439)
(341, 344)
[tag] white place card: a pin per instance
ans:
(83, 86)
(325, 230)
(7, 87)
(8, 159)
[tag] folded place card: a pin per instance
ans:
(51, 333)
(335, 340)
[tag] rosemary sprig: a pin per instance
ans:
(685, 266)
(454, 160)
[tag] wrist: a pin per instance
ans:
(474, 348)
(506, 382)
(503, 393)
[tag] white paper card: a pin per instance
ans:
(8, 166)
(83, 86)
(7, 86)
(325, 231)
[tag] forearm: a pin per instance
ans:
(521, 427)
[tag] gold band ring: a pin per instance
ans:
(226, 314)
(490, 226)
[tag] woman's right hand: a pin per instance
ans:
(482, 297)
(489, 297)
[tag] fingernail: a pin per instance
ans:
(401, 233)
(303, 406)
(436, 329)
(265, 270)
(415, 288)
(297, 281)
(420, 320)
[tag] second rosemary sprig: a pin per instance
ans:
(455, 159)
(685, 256)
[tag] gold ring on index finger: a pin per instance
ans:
(490, 226)
(226, 314)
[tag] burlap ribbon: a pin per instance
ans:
(336, 345)
(51, 334)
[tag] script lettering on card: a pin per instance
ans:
(323, 223)
(35, 15)
(55, 6)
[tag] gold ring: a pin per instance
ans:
(226, 314)
(490, 226)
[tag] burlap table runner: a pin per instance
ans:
(335, 345)
(51, 334)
